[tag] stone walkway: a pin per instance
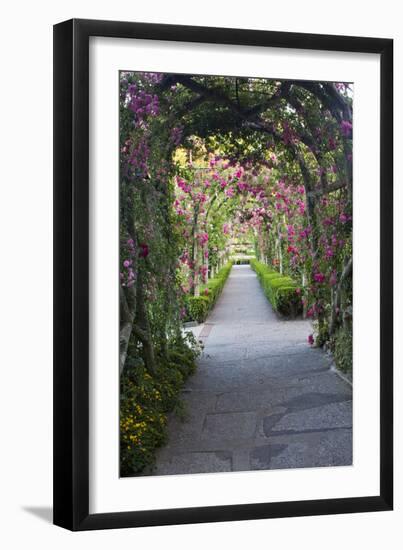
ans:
(261, 397)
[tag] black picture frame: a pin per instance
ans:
(71, 274)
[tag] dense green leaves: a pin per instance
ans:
(282, 292)
(198, 307)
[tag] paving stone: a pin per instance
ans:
(246, 400)
(314, 450)
(312, 400)
(195, 463)
(241, 460)
(238, 425)
(292, 455)
(269, 422)
(328, 416)
(335, 449)
(261, 457)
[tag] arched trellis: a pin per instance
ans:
(242, 116)
(288, 93)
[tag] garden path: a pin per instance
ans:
(261, 397)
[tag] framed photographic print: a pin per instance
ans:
(223, 321)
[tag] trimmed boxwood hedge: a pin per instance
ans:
(198, 307)
(240, 261)
(280, 290)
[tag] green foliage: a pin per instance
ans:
(280, 290)
(145, 401)
(343, 348)
(240, 261)
(287, 301)
(321, 328)
(198, 307)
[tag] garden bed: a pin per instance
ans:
(282, 292)
(146, 399)
(198, 307)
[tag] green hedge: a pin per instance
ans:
(198, 307)
(240, 261)
(280, 290)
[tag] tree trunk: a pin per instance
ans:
(196, 276)
(206, 264)
(127, 311)
(279, 250)
(142, 326)
(336, 295)
(195, 254)
(305, 304)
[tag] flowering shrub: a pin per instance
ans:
(142, 422)
(145, 401)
